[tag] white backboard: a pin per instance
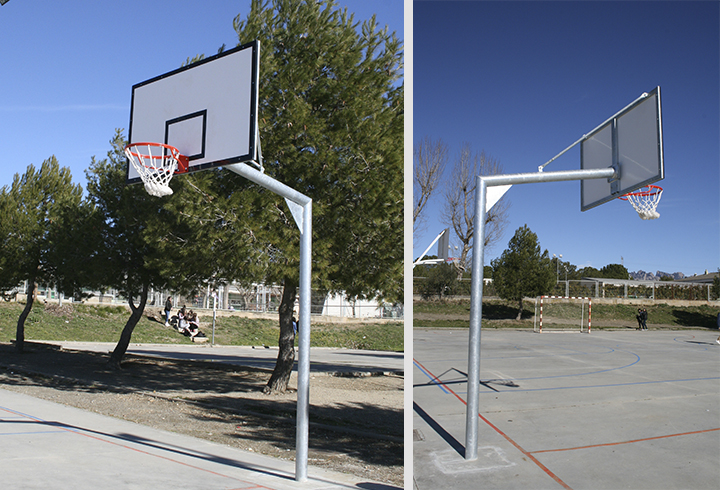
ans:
(632, 141)
(207, 110)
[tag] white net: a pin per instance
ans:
(645, 202)
(156, 164)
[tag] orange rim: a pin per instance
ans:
(651, 191)
(175, 154)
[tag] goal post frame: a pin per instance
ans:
(538, 318)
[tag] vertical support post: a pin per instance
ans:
(303, 400)
(301, 209)
(473, 380)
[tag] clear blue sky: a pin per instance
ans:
(523, 80)
(68, 67)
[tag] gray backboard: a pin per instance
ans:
(633, 142)
(207, 110)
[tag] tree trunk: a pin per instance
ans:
(286, 354)
(20, 333)
(124, 342)
(520, 310)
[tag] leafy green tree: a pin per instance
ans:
(441, 281)
(487, 272)
(143, 242)
(522, 269)
(614, 271)
(36, 211)
(589, 272)
(715, 288)
(331, 126)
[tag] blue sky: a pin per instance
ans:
(68, 67)
(523, 80)
(519, 80)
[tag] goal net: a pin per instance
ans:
(562, 314)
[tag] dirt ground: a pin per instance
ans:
(356, 424)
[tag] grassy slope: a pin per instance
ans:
(86, 323)
(498, 313)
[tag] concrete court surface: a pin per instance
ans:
(322, 359)
(46, 445)
(606, 410)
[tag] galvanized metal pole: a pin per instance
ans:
(303, 393)
(476, 293)
(304, 221)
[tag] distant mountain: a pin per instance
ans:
(649, 276)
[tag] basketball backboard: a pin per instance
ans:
(444, 245)
(631, 142)
(207, 110)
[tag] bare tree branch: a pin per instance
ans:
(430, 158)
(459, 209)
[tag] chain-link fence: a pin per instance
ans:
(256, 298)
(597, 288)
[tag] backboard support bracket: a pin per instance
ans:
(257, 160)
(614, 181)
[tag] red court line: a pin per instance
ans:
(81, 432)
(625, 442)
(496, 429)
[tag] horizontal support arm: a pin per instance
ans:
(269, 183)
(535, 177)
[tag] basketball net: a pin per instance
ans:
(156, 170)
(645, 201)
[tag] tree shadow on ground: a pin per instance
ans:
(137, 374)
(498, 311)
(372, 434)
(341, 429)
(695, 319)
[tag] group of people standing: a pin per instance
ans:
(642, 319)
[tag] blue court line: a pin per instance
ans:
(21, 415)
(590, 372)
(606, 350)
(637, 359)
(432, 379)
(605, 386)
(34, 432)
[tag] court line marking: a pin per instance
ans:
(625, 442)
(563, 355)
(507, 438)
(433, 379)
(634, 383)
(66, 428)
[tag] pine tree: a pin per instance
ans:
(522, 269)
(143, 242)
(331, 127)
(35, 210)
